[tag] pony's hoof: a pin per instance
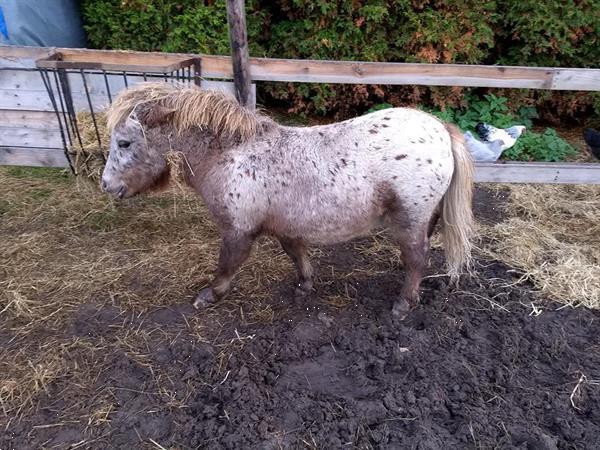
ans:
(205, 298)
(401, 309)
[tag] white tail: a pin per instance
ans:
(457, 213)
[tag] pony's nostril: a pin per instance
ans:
(103, 185)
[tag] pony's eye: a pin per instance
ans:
(123, 144)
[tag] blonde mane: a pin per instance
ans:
(192, 107)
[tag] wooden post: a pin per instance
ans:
(238, 37)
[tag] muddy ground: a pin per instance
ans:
(488, 365)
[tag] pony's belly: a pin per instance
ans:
(339, 233)
(332, 225)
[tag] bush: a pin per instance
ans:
(514, 32)
(163, 25)
(554, 33)
(546, 146)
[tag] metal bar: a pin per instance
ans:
(62, 107)
(87, 94)
(125, 79)
(63, 76)
(145, 76)
(64, 91)
(107, 86)
(48, 86)
(68, 98)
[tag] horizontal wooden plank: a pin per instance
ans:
(156, 63)
(96, 83)
(576, 79)
(20, 56)
(25, 90)
(15, 99)
(28, 100)
(30, 137)
(399, 73)
(34, 157)
(533, 172)
(289, 70)
(32, 80)
(21, 79)
(45, 120)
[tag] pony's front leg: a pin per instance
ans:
(296, 250)
(235, 249)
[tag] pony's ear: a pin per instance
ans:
(156, 115)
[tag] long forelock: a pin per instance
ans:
(193, 107)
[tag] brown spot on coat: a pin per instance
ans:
(402, 156)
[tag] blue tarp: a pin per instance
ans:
(45, 23)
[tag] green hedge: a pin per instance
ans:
(513, 32)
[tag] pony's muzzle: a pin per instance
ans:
(118, 191)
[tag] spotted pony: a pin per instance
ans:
(400, 168)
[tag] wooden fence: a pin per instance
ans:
(29, 134)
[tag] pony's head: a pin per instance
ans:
(136, 161)
(143, 119)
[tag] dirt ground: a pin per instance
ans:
(487, 365)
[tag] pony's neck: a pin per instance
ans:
(191, 152)
(198, 150)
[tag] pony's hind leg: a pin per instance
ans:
(414, 244)
(235, 249)
(435, 218)
(296, 250)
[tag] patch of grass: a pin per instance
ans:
(5, 206)
(39, 193)
(103, 220)
(39, 173)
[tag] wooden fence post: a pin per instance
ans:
(238, 37)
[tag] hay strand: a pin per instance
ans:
(88, 155)
(553, 236)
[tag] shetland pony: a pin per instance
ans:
(400, 168)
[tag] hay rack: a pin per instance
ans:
(67, 76)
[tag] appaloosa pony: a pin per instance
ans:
(400, 168)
